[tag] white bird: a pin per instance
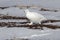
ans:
(34, 17)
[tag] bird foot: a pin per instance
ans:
(30, 23)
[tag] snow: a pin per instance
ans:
(11, 20)
(13, 11)
(55, 23)
(32, 34)
(10, 33)
(42, 3)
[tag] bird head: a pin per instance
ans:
(26, 10)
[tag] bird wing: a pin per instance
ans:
(37, 15)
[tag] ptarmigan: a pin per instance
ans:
(34, 17)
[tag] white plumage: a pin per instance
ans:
(34, 17)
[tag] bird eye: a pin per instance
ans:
(24, 11)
